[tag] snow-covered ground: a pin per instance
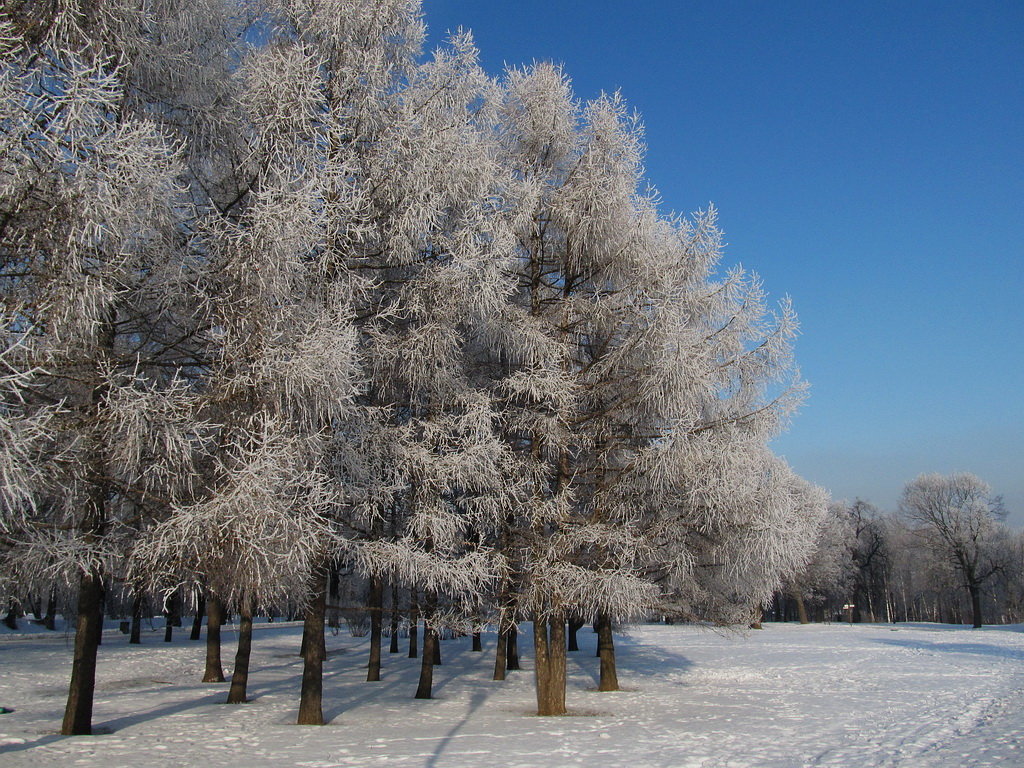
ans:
(835, 695)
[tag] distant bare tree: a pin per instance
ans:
(958, 517)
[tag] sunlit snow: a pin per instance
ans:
(789, 695)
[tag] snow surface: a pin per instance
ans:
(910, 695)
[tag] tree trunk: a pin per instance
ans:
(541, 667)
(556, 658)
(135, 638)
(477, 644)
(240, 675)
(78, 712)
(376, 607)
(549, 664)
(437, 649)
(606, 650)
(975, 590)
(425, 688)
(50, 622)
(170, 611)
(197, 622)
(414, 621)
(11, 619)
(393, 648)
(575, 625)
(801, 609)
(314, 651)
(214, 672)
(512, 654)
(500, 654)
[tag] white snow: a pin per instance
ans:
(929, 696)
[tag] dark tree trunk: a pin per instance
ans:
(437, 648)
(376, 608)
(426, 685)
(477, 644)
(574, 626)
(512, 654)
(240, 675)
(414, 620)
(975, 590)
(135, 638)
(393, 648)
(11, 619)
(214, 672)
(606, 650)
(102, 611)
(314, 651)
(170, 613)
(50, 621)
(500, 653)
(197, 622)
(78, 712)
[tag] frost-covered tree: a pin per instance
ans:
(958, 516)
(99, 110)
(397, 182)
(637, 377)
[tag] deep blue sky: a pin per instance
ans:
(867, 159)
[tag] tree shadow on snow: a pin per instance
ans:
(984, 649)
(42, 741)
(208, 699)
(475, 702)
(634, 660)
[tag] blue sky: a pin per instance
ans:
(867, 159)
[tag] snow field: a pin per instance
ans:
(932, 696)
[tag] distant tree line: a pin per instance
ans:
(944, 556)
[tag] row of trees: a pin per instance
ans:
(279, 293)
(944, 556)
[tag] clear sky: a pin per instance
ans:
(867, 159)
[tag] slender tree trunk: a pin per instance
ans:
(214, 672)
(425, 688)
(197, 622)
(500, 653)
(50, 621)
(477, 644)
(575, 625)
(240, 675)
(376, 607)
(394, 619)
(170, 611)
(975, 590)
(78, 712)
(414, 621)
(437, 648)
(314, 650)
(135, 638)
(512, 654)
(606, 650)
